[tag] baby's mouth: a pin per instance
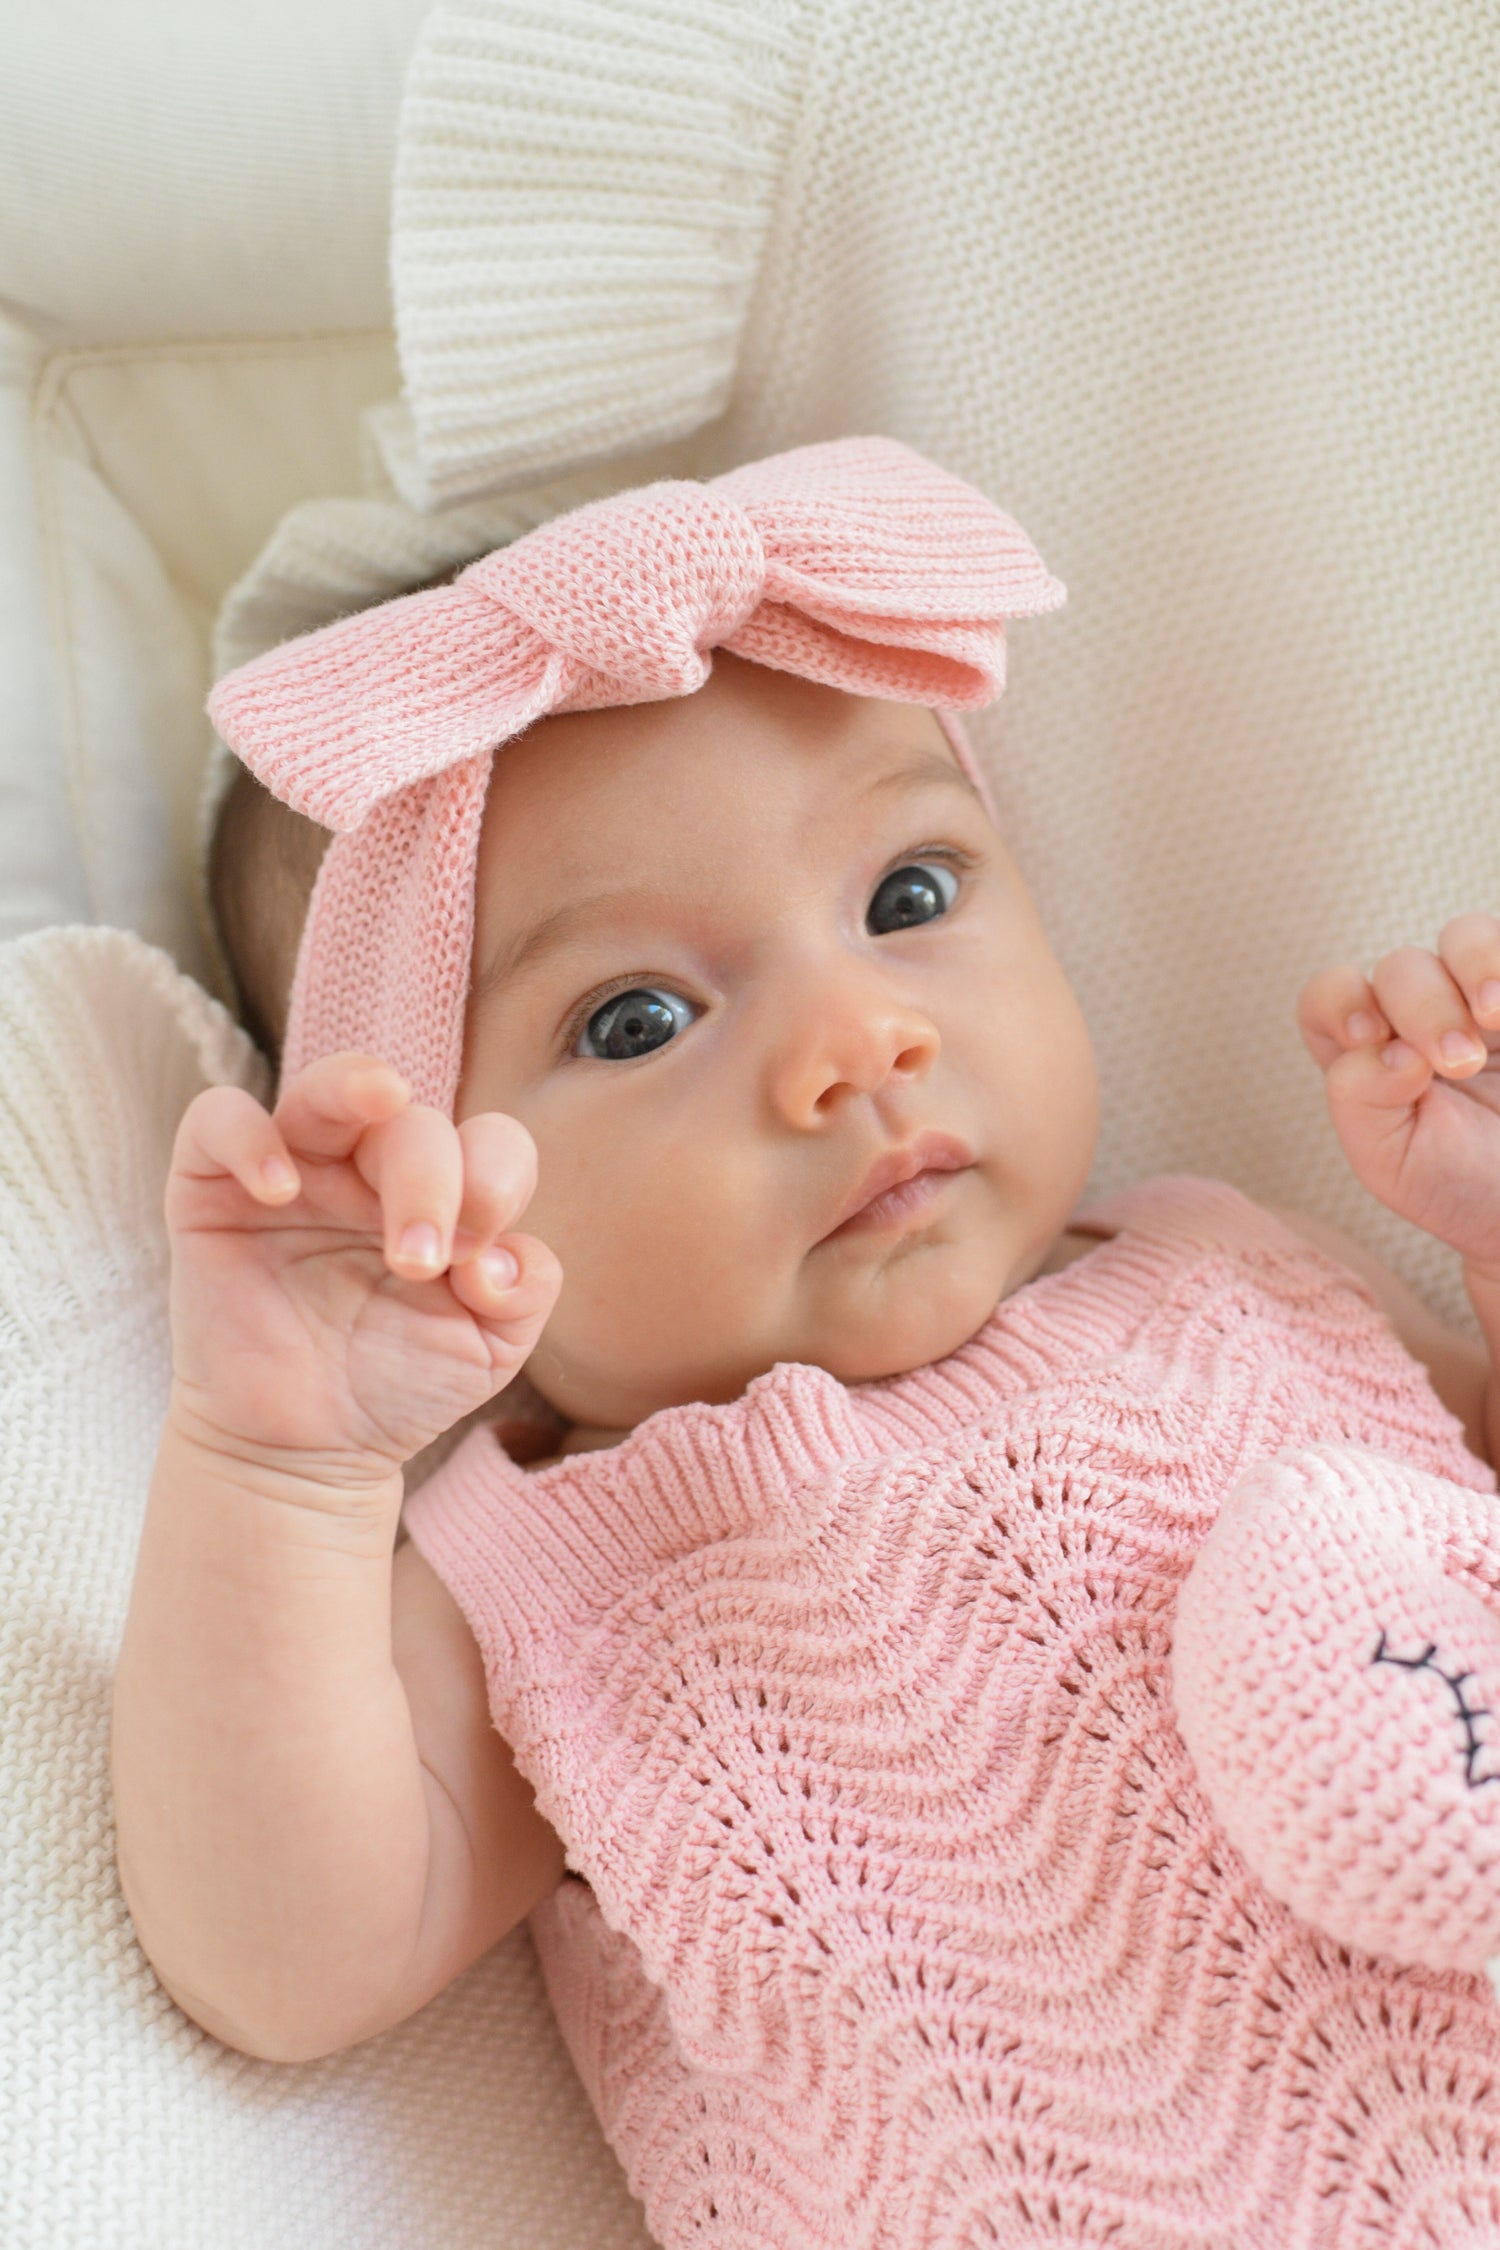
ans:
(902, 1185)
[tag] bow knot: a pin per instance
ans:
(631, 635)
(855, 563)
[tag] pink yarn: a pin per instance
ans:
(908, 1924)
(854, 563)
(1337, 1679)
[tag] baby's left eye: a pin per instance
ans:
(633, 1023)
(918, 893)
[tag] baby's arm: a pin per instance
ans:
(318, 1827)
(1411, 1059)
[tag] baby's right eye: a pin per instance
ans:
(633, 1023)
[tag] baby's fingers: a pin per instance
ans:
(225, 1133)
(323, 1110)
(511, 1288)
(499, 1161)
(1470, 949)
(414, 1163)
(1337, 1011)
(1426, 1009)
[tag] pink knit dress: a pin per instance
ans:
(905, 1922)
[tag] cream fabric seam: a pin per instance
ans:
(49, 404)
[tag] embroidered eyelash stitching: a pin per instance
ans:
(1470, 1713)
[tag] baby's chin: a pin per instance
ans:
(920, 1309)
(853, 1360)
(924, 1307)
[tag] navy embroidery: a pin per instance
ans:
(1469, 1713)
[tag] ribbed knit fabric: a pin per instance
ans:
(679, 117)
(906, 1921)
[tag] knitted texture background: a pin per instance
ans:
(1204, 291)
(122, 2125)
(910, 1923)
(856, 563)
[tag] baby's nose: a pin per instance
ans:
(842, 1035)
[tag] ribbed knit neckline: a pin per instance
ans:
(797, 1422)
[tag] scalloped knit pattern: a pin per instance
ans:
(906, 1922)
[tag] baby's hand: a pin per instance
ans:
(343, 1287)
(1411, 1056)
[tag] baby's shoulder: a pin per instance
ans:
(1185, 1209)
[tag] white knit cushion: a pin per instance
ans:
(137, 482)
(193, 235)
(1204, 292)
(170, 170)
(123, 2126)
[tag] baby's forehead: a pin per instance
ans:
(676, 800)
(703, 774)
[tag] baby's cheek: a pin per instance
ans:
(652, 1258)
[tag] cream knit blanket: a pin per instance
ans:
(122, 2125)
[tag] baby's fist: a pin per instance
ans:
(1411, 1059)
(345, 1282)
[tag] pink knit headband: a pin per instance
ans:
(855, 563)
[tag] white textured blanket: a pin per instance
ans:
(123, 2126)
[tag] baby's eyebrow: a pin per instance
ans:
(930, 770)
(555, 930)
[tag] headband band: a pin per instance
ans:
(855, 563)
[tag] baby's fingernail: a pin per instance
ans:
(500, 1269)
(1361, 1026)
(1397, 1055)
(277, 1176)
(1458, 1047)
(418, 1244)
(1488, 997)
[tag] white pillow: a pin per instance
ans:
(121, 2123)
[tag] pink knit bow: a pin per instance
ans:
(855, 563)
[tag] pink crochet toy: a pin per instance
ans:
(912, 1916)
(1336, 1673)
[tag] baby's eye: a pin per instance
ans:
(632, 1023)
(919, 893)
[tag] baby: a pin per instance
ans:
(832, 1646)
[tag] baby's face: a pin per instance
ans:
(742, 959)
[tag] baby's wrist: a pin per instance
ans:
(334, 1482)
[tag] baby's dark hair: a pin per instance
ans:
(262, 863)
